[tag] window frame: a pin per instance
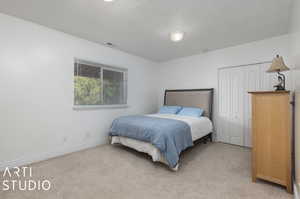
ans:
(102, 67)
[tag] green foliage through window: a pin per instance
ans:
(87, 91)
(90, 90)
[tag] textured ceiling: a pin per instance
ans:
(142, 27)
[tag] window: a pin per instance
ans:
(97, 84)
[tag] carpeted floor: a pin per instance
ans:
(210, 171)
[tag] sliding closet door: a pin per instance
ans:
(234, 101)
(223, 133)
(236, 107)
(231, 106)
(234, 122)
(252, 76)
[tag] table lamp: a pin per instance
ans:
(278, 66)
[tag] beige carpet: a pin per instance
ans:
(208, 171)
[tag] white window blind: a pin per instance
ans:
(99, 85)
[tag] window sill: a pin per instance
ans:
(92, 107)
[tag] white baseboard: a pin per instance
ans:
(46, 155)
(296, 191)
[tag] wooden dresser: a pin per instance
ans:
(271, 137)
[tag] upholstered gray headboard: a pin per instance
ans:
(201, 98)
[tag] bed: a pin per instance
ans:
(200, 128)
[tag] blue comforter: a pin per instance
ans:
(170, 136)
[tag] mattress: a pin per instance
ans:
(200, 127)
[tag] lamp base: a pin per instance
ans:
(281, 82)
(279, 88)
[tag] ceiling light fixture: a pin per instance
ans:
(109, 44)
(177, 36)
(108, 0)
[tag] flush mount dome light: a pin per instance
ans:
(177, 36)
(109, 44)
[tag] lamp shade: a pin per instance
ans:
(278, 65)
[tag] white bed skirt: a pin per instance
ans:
(143, 147)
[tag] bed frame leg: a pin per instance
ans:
(207, 138)
(210, 137)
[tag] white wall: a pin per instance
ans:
(37, 120)
(295, 27)
(201, 71)
(295, 58)
(295, 39)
